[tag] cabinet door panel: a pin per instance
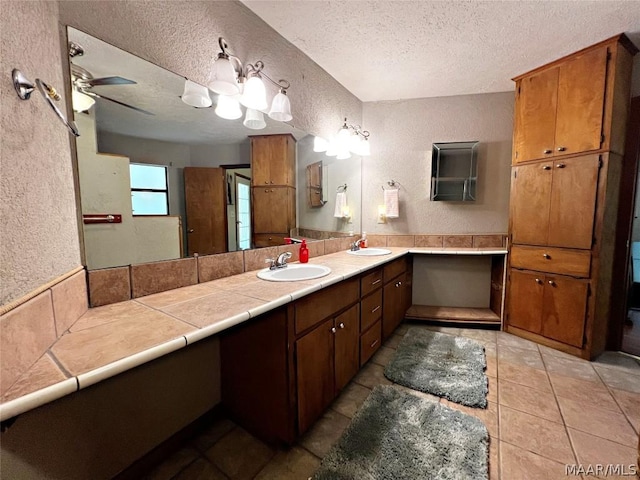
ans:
(573, 202)
(261, 210)
(279, 205)
(535, 120)
(581, 86)
(525, 300)
(392, 307)
(565, 308)
(261, 157)
(347, 346)
(315, 367)
(530, 196)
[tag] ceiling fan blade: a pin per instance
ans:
(97, 82)
(93, 94)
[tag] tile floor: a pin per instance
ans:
(546, 409)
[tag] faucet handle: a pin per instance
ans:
(281, 261)
(271, 262)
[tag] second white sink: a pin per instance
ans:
(369, 252)
(294, 273)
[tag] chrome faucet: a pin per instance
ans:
(355, 246)
(280, 262)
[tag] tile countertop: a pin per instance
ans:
(115, 338)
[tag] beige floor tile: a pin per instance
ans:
(589, 393)
(547, 351)
(535, 434)
(393, 341)
(527, 376)
(371, 375)
(488, 416)
(494, 459)
(325, 433)
(294, 464)
(491, 350)
(580, 369)
(383, 356)
(201, 469)
(402, 329)
(519, 464)
(509, 340)
(240, 455)
(350, 399)
(205, 440)
(492, 396)
(601, 423)
(630, 404)
(620, 380)
(617, 361)
(492, 366)
(529, 400)
(171, 466)
(488, 336)
(520, 356)
(594, 451)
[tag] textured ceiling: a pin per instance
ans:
(390, 50)
(156, 90)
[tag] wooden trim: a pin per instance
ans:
(460, 314)
(620, 38)
(175, 442)
(6, 308)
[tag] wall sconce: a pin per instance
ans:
(382, 214)
(350, 139)
(346, 212)
(230, 77)
(81, 102)
(196, 95)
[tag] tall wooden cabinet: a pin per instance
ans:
(273, 188)
(570, 119)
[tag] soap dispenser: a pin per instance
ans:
(304, 252)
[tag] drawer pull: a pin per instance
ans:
(552, 283)
(266, 190)
(538, 281)
(561, 149)
(377, 281)
(400, 283)
(546, 167)
(375, 309)
(341, 325)
(560, 165)
(546, 152)
(374, 343)
(547, 256)
(333, 330)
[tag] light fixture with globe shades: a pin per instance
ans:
(228, 107)
(196, 95)
(350, 139)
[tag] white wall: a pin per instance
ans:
(402, 134)
(214, 156)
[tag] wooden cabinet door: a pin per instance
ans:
(530, 197)
(262, 210)
(565, 309)
(261, 158)
(579, 117)
(315, 372)
(273, 160)
(392, 304)
(347, 344)
(280, 207)
(535, 120)
(526, 292)
(573, 202)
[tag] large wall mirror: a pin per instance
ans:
(137, 138)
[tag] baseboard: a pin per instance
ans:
(175, 442)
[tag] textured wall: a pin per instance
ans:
(402, 134)
(39, 234)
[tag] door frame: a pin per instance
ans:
(237, 175)
(626, 210)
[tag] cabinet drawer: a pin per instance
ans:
(553, 260)
(371, 281)
(395, 268)
(318, 306)
(269, 239)
(371, 310)
(370, 342)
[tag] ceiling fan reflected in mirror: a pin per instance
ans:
(83, 96)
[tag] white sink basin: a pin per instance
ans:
(369, 252)
(294, 273)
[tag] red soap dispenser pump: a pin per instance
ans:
(304, 252)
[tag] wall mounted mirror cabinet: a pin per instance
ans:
(180, 178)
(454, 171)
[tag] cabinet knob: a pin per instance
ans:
(271, 182)
(333, 330)
(552, 283)
(341, 325)
(561, 149)
(560, 165)
(546, 167)
(266, 190)
(547, 152)
(538, 281)
(399, 284)
(547, 256)
(190, 230)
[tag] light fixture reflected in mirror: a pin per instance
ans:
(254, 119)
(320, 144)
(281, 107)
(228, 108)
(81, 101)
(224, 75)
(332, 148)
(351, 138)
(196, 95)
